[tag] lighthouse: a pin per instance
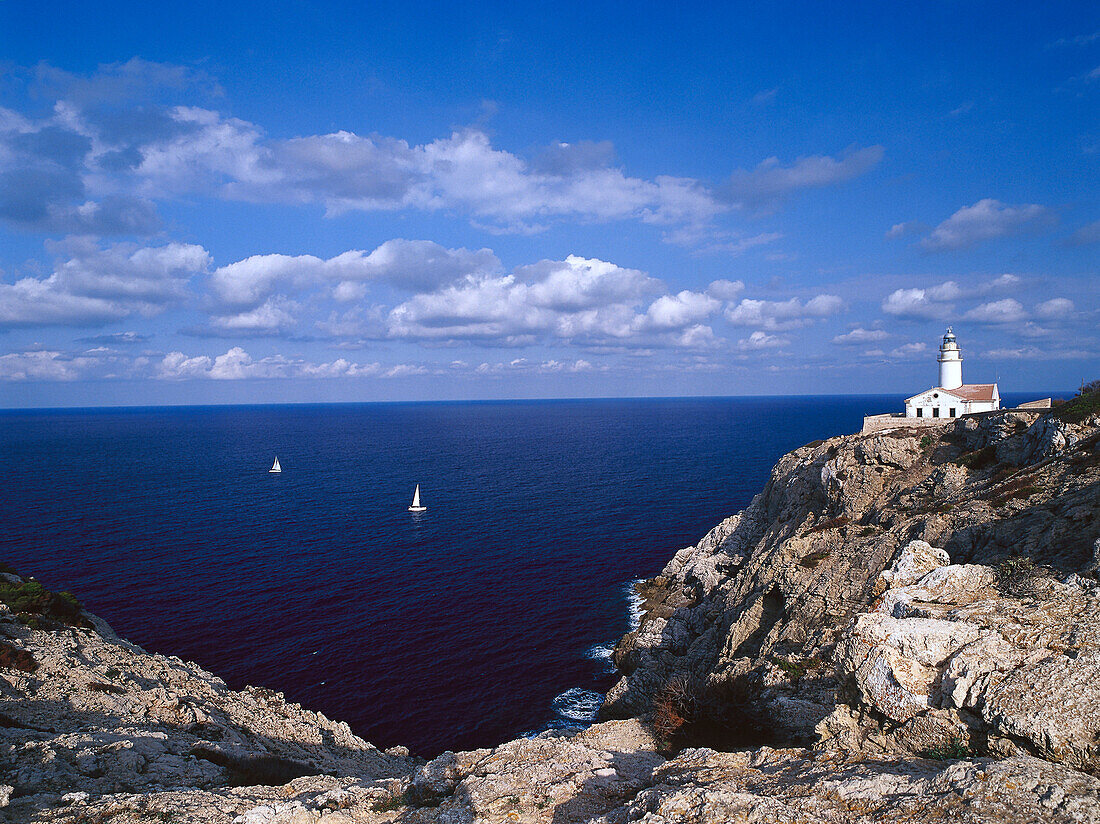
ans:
(951, 362)
(952, 398)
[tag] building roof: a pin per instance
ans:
(966, 392)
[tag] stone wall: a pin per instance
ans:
(877, 423)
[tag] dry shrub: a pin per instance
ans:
(14, 658)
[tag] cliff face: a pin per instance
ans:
(917, 607)
(752, 616)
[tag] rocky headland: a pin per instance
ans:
(902, 626)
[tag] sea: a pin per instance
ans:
(489, 616)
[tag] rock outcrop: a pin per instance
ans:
(911, 617)
(752, 615)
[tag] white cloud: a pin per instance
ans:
(274, 316)
(1087, 234)
(938, 302)
(583, 300)
(985, 220)
(997, 311)
(680, 310)
(725, 289)
(909, 350)
(413, 265)
(762, 340)
(767, 184)
(237, 364)
(93, 285)
(38, 365)
(783, 315)
(1054, 309)
(860, 336)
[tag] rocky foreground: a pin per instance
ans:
(902, 626)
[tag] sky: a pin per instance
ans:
(313, 202)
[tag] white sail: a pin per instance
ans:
(275, 466)
(416, 507)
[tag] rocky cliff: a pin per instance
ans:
(900, 627)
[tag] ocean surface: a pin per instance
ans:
(488, 616)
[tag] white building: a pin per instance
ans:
(952, 398)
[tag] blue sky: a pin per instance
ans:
(318, 202)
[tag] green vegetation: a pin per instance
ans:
(795, 669)
(814, 558)
(36, 606)
(925, 441)
(1087, 402)
(867, 531)
(1021, 577)
(954, 750)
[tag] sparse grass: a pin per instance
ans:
(1021, 492)
(795, 669)
(1021, 577)
(828, 523)
(814, 558)
(813, 444)
(955, 750)
(926, 441)
(867, 531)
(99, 686)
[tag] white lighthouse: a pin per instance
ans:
(952, 398)
(951, 362)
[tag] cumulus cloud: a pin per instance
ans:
(578, 299)
(759, 340)
(92, 285)
(860, 336)
(131, 134)
(38, 365)
(412, 265)
(237, 364)
(909, 350)
(1087, 234)
(985, 220)
(997, 311)
(1054, 309)
(769, 182)
(938, 302)
(783, 315)
(725, 289)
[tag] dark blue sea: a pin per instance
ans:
(488, 616)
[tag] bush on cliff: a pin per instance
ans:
(34, 604)
(687, 712)
(1087, 402)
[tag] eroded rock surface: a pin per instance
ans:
(752, 615)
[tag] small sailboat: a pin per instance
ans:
(275, 466)
(416, 507)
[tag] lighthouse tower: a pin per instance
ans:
(951, 362)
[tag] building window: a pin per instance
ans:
(920, 411)
(935, 411)
(952, 410)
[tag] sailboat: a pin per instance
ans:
(275, 466)
(416, 507)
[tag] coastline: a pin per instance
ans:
(869, 611)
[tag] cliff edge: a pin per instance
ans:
(901, 626)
